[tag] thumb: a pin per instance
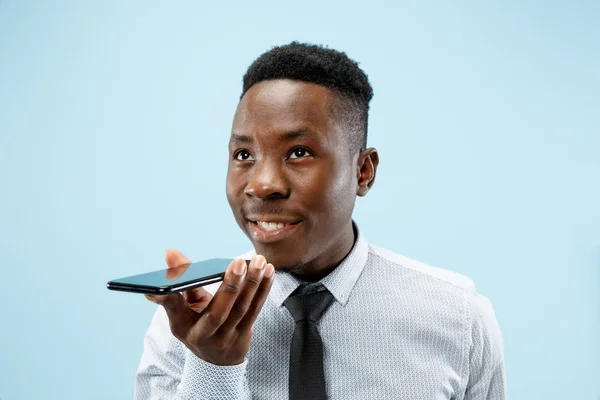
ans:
(175, 258)
(197, 298)
(177, 263)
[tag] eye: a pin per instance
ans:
(243, 155)
(299, 152)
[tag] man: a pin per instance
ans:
(318, 313)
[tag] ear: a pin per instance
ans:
(368, 160)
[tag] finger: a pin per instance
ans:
(181, 318)
(155, 298)
(175, 258)
(254, 277)
(152, 298)
(196, 294)
(218, 309)
(178, 264)
(259, 299)
(173, 273)
(197, 298)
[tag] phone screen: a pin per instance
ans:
(176, 276)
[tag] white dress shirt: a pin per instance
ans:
(398, 329)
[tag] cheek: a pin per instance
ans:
(341, 196)
(330, 190)
(229, 194)
(233, 187)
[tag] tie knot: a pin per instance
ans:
(308, 306)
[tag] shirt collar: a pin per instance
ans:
(339, 282)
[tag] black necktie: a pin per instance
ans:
(307, 380)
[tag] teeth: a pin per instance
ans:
(270, 226)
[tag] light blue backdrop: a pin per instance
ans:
(114, 121)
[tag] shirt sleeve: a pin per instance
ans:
(203, 380)
(168, 370)
(487, 376)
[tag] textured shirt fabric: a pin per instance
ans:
(397, 329)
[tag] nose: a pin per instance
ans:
(267, 181)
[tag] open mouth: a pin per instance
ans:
(272, 226)
(271, 231)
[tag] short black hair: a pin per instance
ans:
(323, 66)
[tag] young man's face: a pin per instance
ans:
(292, 180)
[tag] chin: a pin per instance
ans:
(280, 258)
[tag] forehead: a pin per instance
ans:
(285, 105)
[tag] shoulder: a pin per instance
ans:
(448, 304)
(421, 270)
(451, 288)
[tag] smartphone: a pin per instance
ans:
(172, 280)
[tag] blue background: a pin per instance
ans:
(114, 121)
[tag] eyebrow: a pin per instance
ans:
(240, 138)
(287, 136)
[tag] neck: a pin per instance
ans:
(326, 263)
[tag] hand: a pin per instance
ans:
(218, 328)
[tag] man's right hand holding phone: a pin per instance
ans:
(218, 329)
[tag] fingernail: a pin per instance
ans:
(239, 268)
(260, 263)
(270, 271)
